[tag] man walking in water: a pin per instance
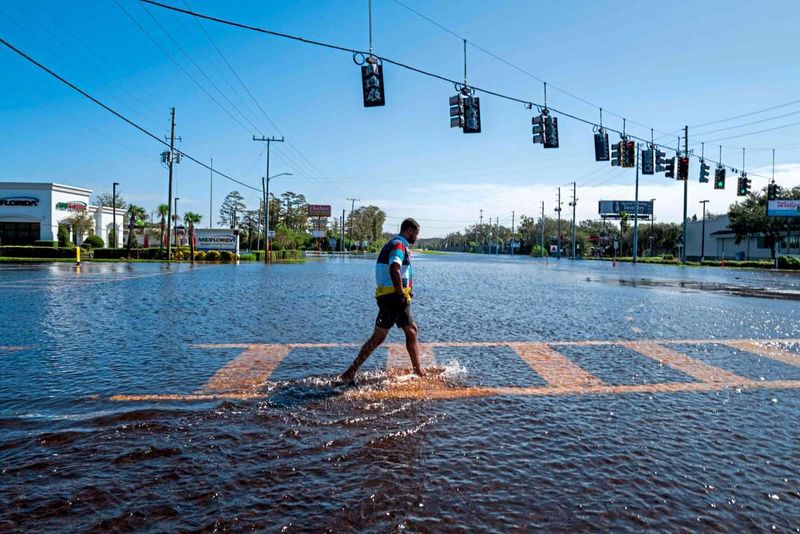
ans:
(393, 294)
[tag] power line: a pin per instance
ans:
(754, 133)
(115, 113)
(734, 127)
(746, 114)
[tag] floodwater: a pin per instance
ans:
(572, 396)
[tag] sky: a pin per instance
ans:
(661, 66)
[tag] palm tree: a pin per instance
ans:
(163, 210)
(135, 214)
(191, 219)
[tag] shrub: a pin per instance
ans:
(94, 241)
(199, 255)
(227, 255)
(247, 257)
(36, 252)
(789, 262)
(667, 257)
(178, 255)
(62, 235)
(45, 243)
(212, 255)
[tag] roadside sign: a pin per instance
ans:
(318, 233)
(783, 208)
(319, 210)
(271, 234)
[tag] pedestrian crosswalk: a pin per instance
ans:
(554, 372)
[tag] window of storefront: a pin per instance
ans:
(16, 233)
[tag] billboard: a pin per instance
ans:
(783, 208)
(319, 210)
(216, 239)
(612, 208)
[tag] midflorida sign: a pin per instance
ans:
(19, 201)
(216, 239)
(783, 208)
(72, 205)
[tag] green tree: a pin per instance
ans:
(191, 218)
(106, 200)
(163, 212)
(231, 209)
(81, 223)
(136, 217)
(295, 212)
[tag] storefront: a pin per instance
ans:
(33, 211)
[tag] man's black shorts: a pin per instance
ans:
(393, 310)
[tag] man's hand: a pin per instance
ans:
(402, 297)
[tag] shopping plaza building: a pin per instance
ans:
(33, 211)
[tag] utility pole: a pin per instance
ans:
(497, 233)
(685, 192)
(114, 214)
(480, 227)
(543, 228)
(513, 214)
(211, 195)
(636, 210)
(703, 239)
(342, 229)
(265, 192)
(169, 200)
(558, 209)
(574, 203)
(352, 209)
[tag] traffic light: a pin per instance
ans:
(465, 113)
(457, 111)
(743, 187)
(628, 154)
(601, 146)
(550, 132)
(472, 114)
(647, 161)
(660, 156)
(704, 172)
(683, 168)
(372, 83)
(772, 191)
(719, 177)
(616, 154)
(669, 168)
(538, 129)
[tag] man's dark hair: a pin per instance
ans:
(409, 223)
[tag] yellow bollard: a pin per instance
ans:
(78, 255)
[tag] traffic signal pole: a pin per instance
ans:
(685, 193)
(636, 211)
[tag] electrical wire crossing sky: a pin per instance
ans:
(89, 88)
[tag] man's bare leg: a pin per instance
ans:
(378, 336)
(412, 345)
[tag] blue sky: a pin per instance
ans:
(660, 65)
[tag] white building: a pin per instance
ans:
(32, 211)
(720, 242)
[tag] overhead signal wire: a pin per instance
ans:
(748, 123)
(258, 105)
(400, 64)
(513, 66)
(116, 113)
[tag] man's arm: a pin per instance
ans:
(397, 282)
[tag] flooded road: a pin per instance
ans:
(566, 397)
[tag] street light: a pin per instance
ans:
(114, 214)
(265, 192)
(175, 220)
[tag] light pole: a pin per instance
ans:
(175, 220)
(114, 213)
(703, 238)
(265, 189)
(652, 227)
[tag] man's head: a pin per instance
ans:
(410, 230)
